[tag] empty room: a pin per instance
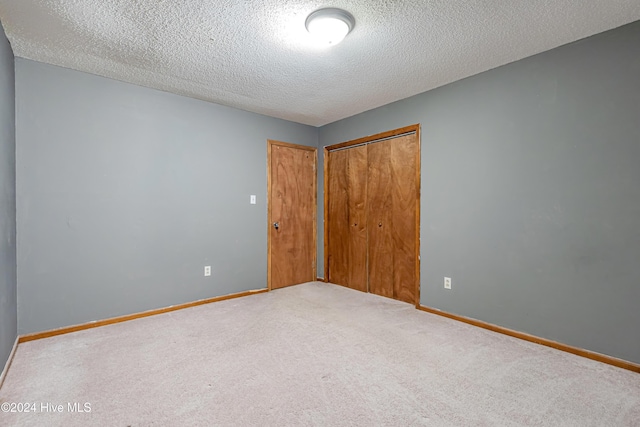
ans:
(220, 213)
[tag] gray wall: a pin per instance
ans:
(125, 193)
(531, 192)
(8, 314)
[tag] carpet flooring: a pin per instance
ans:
(310, 355)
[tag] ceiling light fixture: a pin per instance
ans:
(330, 26)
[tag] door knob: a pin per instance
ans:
(276, 225)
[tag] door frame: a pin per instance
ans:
(270, 144)
(368, 140)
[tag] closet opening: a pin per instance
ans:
(372, 214)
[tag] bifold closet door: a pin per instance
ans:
(392, 210)
(347, 219)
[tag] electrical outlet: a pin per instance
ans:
(447, 282)
(207, 270)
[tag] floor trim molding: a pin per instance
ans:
(620, 363)
(125, 318)
(9, 360)
(320, 279)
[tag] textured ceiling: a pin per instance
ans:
(256, 54)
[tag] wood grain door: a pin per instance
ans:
(347, 238)
(380, 269)
(292, 202)
(374, 181)
(392, 217)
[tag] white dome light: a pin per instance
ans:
(330, 26)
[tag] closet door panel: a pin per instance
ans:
(380, 214)
(357, 184)
(347, 218)
(403, 164)
(338, 221)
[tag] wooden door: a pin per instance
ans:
(382, 170)
(347, 238)
(379, 226)
(292, 214)
(392, 217)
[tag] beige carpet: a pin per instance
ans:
(313, 354)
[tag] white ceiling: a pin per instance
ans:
(256, 54)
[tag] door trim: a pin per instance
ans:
(271, 143)
(367, 140)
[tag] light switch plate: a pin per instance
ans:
(253, 199)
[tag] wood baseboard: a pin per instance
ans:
(110, 321)
(620, 363)
(320, 279)
(9, 360)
